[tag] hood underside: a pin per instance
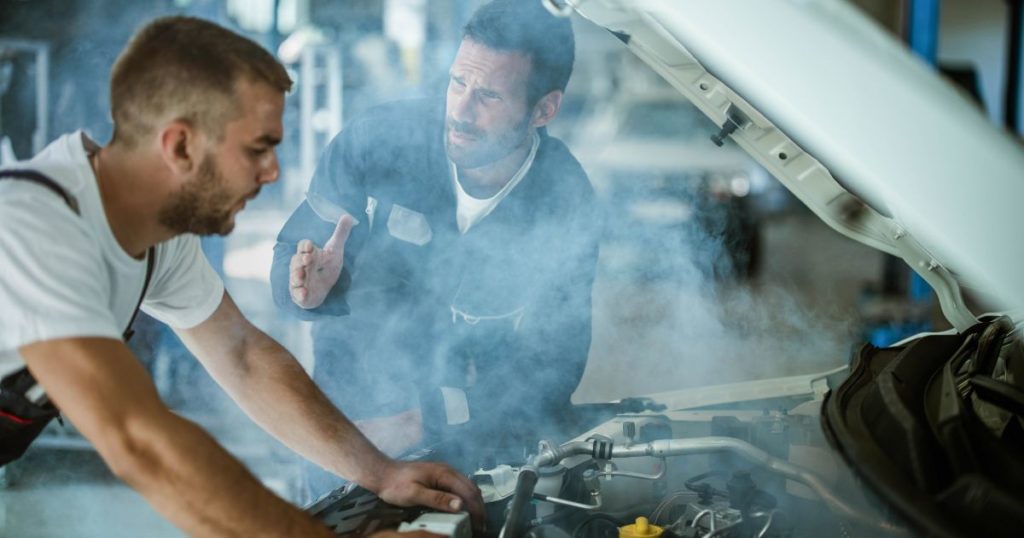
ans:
(864, 133)
(887, 153)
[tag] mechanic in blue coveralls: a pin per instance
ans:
(468, 249)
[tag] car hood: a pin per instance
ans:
(869, 137)
(663, 156)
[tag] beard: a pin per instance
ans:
(485, 148)
(202, 206)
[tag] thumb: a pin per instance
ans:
(340, 235)
(438, 500)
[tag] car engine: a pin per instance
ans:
(759, 467)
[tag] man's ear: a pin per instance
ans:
(179, 147)
(546, 109)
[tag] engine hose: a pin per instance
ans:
(704, 445)
(516, 521)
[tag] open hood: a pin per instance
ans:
(865, 134)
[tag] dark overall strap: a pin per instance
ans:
(25, 419)
(150, 263)
(40, 179)
(36, 177)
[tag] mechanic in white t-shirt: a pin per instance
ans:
(197, 112)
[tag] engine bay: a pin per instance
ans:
(757, 468)
(922, 436)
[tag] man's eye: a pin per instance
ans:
(490, 96)
(258, 152)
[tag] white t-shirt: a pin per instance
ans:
(469, 210)
(64, 275)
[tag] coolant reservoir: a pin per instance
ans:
(641, 529)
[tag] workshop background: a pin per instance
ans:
(709, 269)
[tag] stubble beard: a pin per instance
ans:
(483, 150)
(202, 206)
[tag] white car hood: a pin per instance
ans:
(819, 92)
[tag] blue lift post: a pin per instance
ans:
(1014, 50)
(922, 33)
(923, 29)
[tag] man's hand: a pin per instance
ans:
(433, 485)
(313, 271)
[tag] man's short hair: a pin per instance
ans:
(527, 28)
(185, 68)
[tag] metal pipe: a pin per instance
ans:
(702, 513)
(767, 524)
(740, 521)
(550, 455)
(722, 530)
(702, 445)
(567, 502)
(629, 474)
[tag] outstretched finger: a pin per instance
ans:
(340, 235)
(304, 246)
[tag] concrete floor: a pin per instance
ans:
(797, 316)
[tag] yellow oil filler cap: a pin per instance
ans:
(642, 529)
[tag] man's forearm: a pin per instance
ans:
(104, 391)
(197, 485)
(272, 388)
(278, 394)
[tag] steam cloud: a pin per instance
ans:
(686, 326)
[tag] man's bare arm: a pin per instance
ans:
(271, 386)
(103, 390)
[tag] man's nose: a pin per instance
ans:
(271, 170)
(462, 108)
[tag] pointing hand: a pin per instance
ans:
(314, 271)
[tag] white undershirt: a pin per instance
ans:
(470, 210)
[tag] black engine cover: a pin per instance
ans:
(909, 421)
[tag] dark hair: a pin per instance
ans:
(527, 28)
(189, 68)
